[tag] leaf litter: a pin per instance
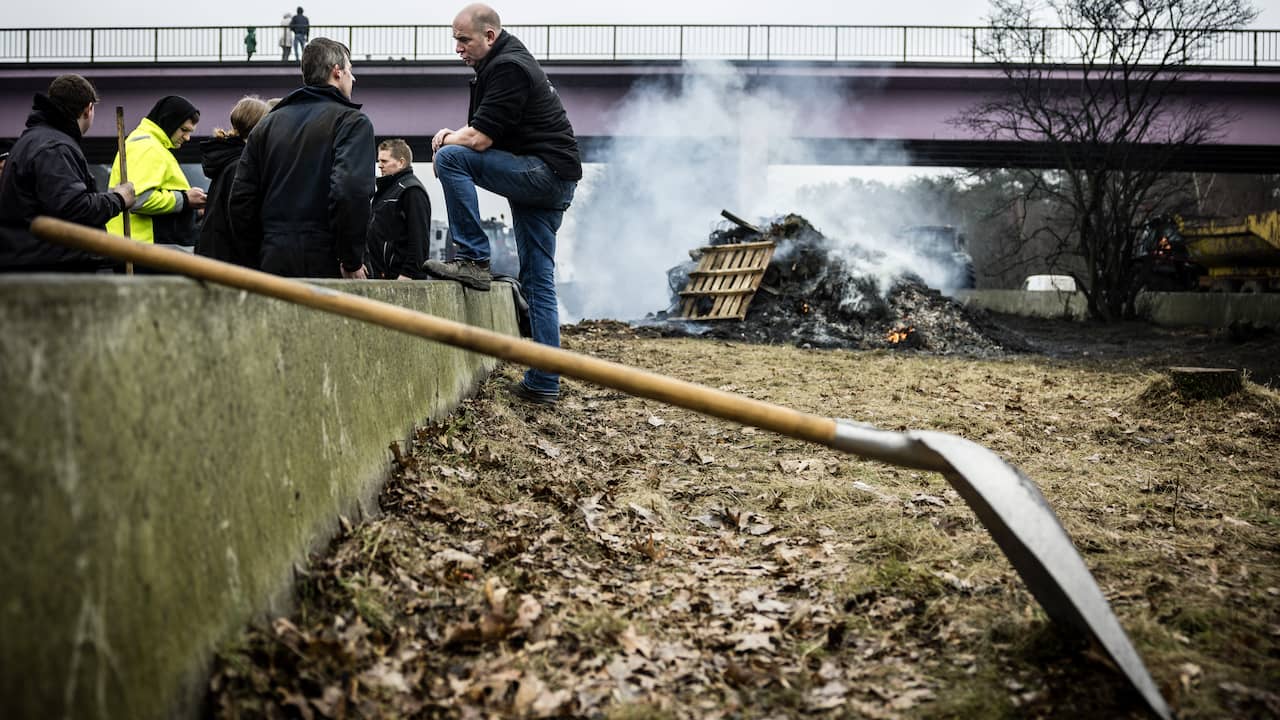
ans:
(586, 561)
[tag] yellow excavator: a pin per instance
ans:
(1223, 255)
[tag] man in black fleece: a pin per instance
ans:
(46, 174)
(303, 184)
(517, 143)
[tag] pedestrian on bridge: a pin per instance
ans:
(517, 143)
(250, 42)
(301, 193)
(301, 28)
(286, 37)
(46, 174)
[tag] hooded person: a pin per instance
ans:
(46, 174)
(218, 157)
(164, 211)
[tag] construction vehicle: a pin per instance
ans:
(503, 256)
(1223, 255)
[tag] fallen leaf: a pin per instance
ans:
(547, 448)
(656, 421)
(633, 643)
(753, 641)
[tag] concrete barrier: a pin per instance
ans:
(1170, 309)
(168, 451)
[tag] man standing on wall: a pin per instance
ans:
(300, 199)
(517, 143)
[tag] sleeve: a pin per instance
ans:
(244, 203)
(67, 196)
(351, 186)
(502, 107)
(417, 222)
(148, 163)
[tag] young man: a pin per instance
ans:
(303, 184)
(46, 174)
(400, 219)
(517, 143)
(164, 211)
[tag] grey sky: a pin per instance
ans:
(411, 12)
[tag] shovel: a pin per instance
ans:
(1009, 505)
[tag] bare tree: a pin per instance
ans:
(1102, 91)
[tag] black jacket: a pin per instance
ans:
(514, 103)
(300, 199)
(218, 158)
(399, 227)
(46, 174)
(300, 25)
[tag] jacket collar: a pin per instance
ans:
(45, 112)
(149, 127)
(384, 181)
(499, 46)
(315, 93)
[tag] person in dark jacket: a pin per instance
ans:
(301, 28)
(400, 220)
(46, 174)
(301, 194)
(218, 157)
(519, 144)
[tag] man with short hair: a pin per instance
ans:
(46, 174)
(400, 219)
(517, 143)
(303, 184)
(164, 212)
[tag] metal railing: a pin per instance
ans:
(814, 43)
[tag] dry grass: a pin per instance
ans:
(632, 560)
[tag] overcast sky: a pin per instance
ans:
(422, 12)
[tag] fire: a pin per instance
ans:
(804, 308)
(899, 334)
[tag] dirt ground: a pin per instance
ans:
(616, 557)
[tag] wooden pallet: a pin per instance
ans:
(725, 281)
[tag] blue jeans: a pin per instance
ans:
(538, 199)
(299, 42)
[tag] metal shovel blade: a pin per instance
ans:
(1020, 520)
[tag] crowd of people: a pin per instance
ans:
(293, 189)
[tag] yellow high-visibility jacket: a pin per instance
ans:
(157, 180)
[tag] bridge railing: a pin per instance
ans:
(815, 43)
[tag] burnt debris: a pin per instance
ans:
(813, 295)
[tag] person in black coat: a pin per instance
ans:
(305, 179)
(400, 220)
(218, 157)
(46, 174)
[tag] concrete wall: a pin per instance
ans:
(1172, 309)
(168, 451)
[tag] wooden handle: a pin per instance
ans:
(601, 372)
(124, 176)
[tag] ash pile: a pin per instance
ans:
(813, 294)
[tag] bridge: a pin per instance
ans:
(861, 95)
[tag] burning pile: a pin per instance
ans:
(812, 295)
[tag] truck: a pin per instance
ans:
(1239, 254)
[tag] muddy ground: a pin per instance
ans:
(615, 557)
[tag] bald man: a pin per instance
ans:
(517, 143)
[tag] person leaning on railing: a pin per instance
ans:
(301, 28)
(46, 174)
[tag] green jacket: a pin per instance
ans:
(160, 213)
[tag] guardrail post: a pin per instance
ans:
(28, 47)
(904, 43)
(220, 36)
(548, 57)
(350, 30)
(415, 42)
(1255, 48)
(749, 34)
(836, 54)
(974, 41)
(155, 43)
(768, 42)
(680, 49)
(93, 35)
(615, 43)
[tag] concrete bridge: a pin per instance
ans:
(849, 111)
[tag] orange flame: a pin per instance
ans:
(899, 334)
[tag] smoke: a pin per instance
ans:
(683, 150)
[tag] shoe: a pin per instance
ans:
(471, 273)
(522, 391)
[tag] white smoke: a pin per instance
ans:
(682, 153)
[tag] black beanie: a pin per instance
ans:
(171, 111)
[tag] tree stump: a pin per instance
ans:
(1197, 383)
